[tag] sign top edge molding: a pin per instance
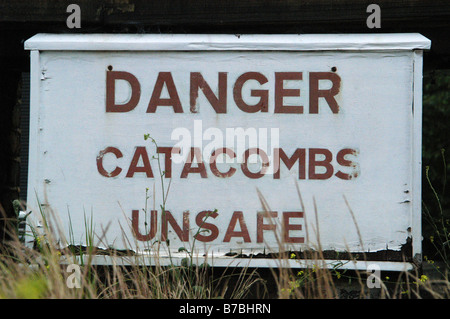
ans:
(227, 42)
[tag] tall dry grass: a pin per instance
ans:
(322, 279)
(47, 270)
(43, 271)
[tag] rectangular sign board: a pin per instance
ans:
(230, 147)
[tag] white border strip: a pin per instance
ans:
(34, 132)
(150, 260)
(416, 217)
(227, 42)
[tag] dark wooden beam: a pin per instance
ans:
(219, 12)
(428, 17)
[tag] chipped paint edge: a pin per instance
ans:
(152, 260)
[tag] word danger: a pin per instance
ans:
(219, 101)
(319, 162)
(237, 226)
